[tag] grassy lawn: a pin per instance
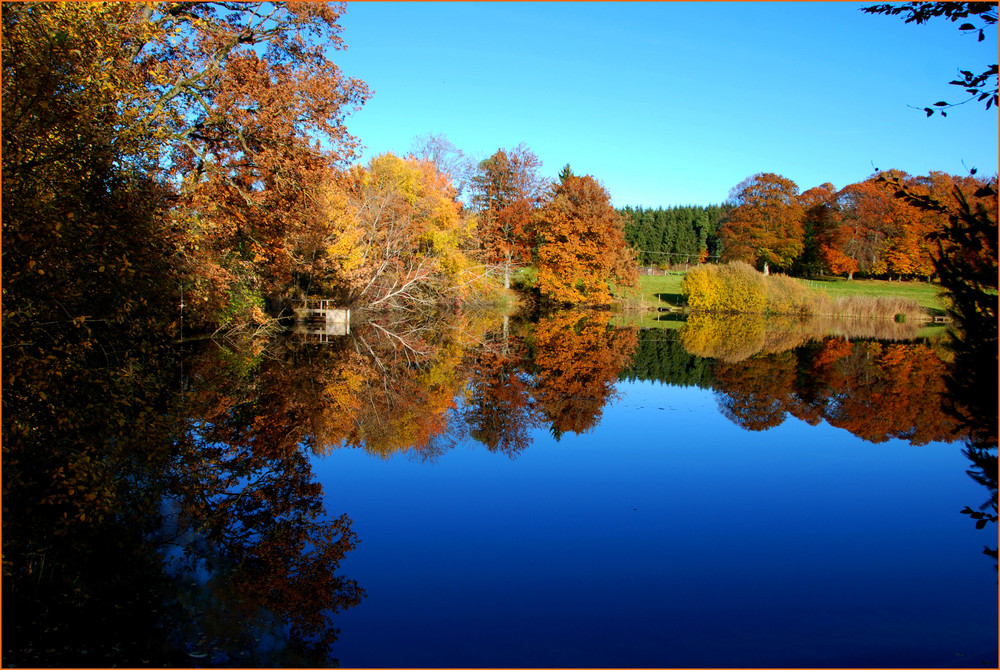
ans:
(664, 290)
(656, 291)
(661, 290)
(928, 295)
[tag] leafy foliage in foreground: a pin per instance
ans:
(981, 86)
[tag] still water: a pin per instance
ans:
(561, 490)
(667, 536)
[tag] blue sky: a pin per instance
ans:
(671, 103)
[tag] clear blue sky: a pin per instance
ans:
(672, 103)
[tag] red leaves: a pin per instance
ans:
(875, 391)
(506, 191)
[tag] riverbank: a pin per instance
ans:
(662, 291)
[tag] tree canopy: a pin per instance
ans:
(765, 226)
(582, 247)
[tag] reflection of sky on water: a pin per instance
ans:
(667, 537)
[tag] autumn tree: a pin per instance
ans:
(876, 391)
(393, 234)
(879, 233)
(241, 476)
(146, 148)
(500, 411)
(235, 106)
(765, 226)
(252, 123)
(506, 190)
(757, 392)
(822, 247)
(880, 391)
(447, 158)
(581, 247)
(89, 311)
(966, 260)
(948, 191)
(264, 521)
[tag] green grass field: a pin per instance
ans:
(666, 290)
(928, 295)
(661, 291)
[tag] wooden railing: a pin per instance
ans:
(316, 303)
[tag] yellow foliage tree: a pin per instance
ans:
(394, 233)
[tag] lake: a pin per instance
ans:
(568, 491)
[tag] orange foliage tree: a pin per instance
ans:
(823, 223)
(581, 244)
(242, 477)
(506, 190)
(765, 227)
(879, 233)
(966, 260)
(933, 222)
(880, 391)
(500, 412)
(756, 393)
(249, 109)
(876, 391)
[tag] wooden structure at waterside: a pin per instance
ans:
(321, 318)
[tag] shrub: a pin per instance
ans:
(745, 289)
(734, 287)
(702, 288)
(737, 287)
(786, 295)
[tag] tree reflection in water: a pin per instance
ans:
(577, 361)
(876, 390)
(756, 393)
(919, 391)
(395, 388)
(165, 519)
(207, 499)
